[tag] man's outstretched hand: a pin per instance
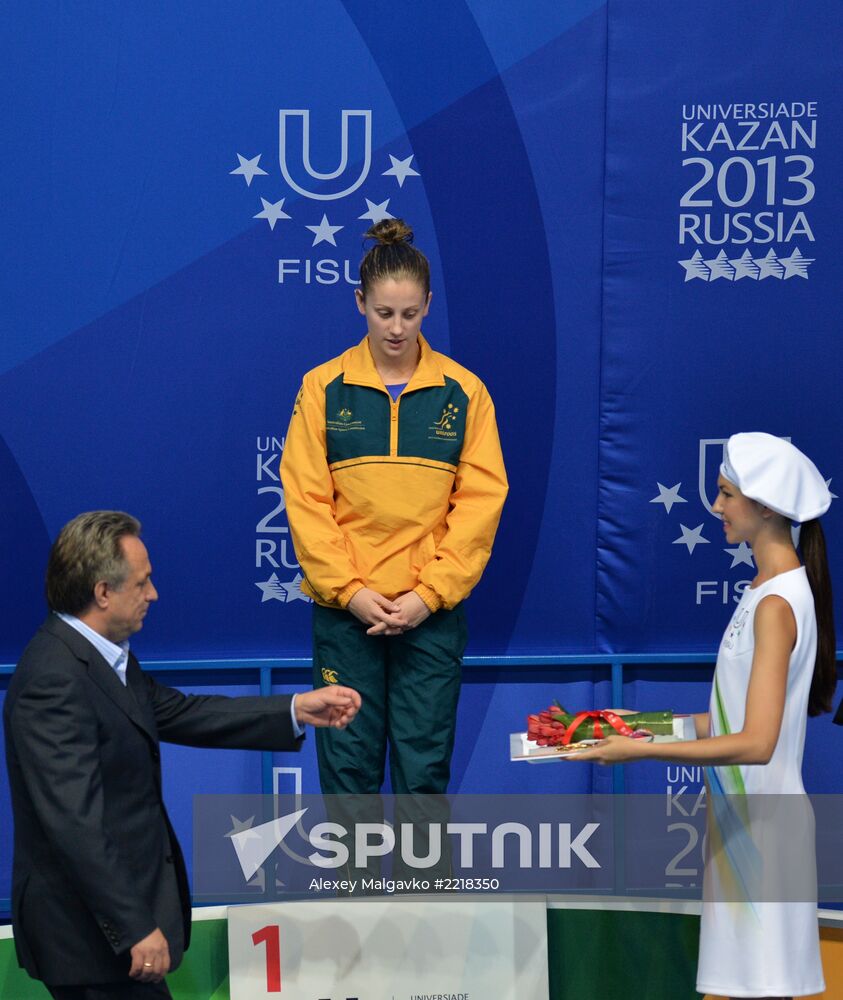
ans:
(333, 706)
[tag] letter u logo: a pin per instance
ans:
(712, 451)
(363, 129)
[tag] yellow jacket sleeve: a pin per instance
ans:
(309, 498)
(480, 488)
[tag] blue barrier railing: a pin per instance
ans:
(543, 660)
(265, 668)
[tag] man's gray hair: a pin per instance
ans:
(86, 551)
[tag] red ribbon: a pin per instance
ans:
(614, 720)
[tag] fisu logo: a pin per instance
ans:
(294, 157)
(350, 154)
(692, 537)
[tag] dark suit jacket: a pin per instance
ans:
(97, 865)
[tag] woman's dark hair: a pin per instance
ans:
(393, 256)
(812, 543)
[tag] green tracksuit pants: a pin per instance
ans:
(410, 686)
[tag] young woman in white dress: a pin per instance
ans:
(775, 666)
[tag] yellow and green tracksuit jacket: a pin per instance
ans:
(395, 496)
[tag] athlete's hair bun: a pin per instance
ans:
(389, 231)
(392, 255)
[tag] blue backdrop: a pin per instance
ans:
(630, 211)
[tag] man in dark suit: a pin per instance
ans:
(100, 901)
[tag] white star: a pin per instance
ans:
(668, 496)
(741, 554)
(695, 267)
(248, 168)
(324, 232)
(243, 826)
(796, 265)
(376, 212)
(828, 484)
(721, 267)
(745, 266)
(401, 170)
(293, 589)
(272, 213)
(272, 590)
(769, 266)
(691, 538)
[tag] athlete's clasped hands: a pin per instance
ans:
(388, 617)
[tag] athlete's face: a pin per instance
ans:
(742, 517)
(394, 311)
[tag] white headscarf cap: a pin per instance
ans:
(775, 473)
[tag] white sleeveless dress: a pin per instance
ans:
(751, 946)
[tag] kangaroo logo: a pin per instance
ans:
(329, 676)
(363, 120)
(448, 414)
